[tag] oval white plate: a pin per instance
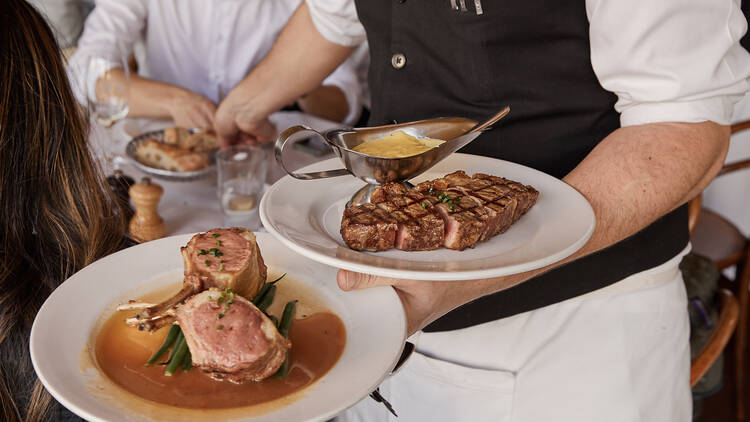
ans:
(64, 325)
(306, 216)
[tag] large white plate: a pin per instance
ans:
(64, 325)
(306, 216)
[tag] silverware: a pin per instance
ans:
(378, 170)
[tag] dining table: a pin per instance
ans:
(194, 206)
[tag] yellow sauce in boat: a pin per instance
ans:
(398, 144)
(318, 341)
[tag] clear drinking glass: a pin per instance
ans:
(241, 173)
(108, 97)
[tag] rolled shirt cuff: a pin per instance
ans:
(716, 109)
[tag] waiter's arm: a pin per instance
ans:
(299, 61)
(634, 176)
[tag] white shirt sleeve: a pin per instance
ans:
(345, 77)
(670, 60)
(337, 21)
(109, 33)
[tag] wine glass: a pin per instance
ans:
(108, 98)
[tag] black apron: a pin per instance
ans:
(432, 58)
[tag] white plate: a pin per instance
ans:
(306, 216)
(171, 175)
(64, 326)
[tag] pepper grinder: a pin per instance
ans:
(146, 223)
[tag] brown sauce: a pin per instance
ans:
(121, 352)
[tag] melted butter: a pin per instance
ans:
(398, 144)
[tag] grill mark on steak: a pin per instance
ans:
(471, 209)
(420, 227)
(369, 228)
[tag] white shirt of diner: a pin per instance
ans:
(207, 47)
(666, 60)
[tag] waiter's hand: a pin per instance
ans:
(236, 123)
(424, 301)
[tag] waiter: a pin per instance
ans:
(627, 102)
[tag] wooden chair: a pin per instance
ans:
(719, 338)
(721, 241)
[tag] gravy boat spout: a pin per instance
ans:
(375, 171)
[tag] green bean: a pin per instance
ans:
(187, 364)
(274, 320)
(286, 318)
(267, 299)
(174, 349)
(259, 297)
(180, 349)
(171, 337)
(283, 369)
(263, 290)
(286, 321)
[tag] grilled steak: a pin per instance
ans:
(368, 228)
(243, 345)
(470, 210)
(419, 224)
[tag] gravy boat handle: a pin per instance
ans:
(294, 133)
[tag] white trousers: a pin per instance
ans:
(618, 354)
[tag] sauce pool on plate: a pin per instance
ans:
(398, 144)
(121, 352)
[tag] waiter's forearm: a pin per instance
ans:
(636, 175)
(298, 62)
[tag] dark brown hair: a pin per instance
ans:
(56, 214)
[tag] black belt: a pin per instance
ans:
(654, 245)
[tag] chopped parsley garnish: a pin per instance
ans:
(220, 316)
(218, 242)
(215, 235)
(220, 327)
(452, 208)
(215, 252)
(424, 204)
(202, 252)
(221, 267)
(208, 263)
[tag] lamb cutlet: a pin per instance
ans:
(223, 258)
(471, 210)
(242, 345)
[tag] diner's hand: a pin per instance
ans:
(236, 123)
(191, 110)
(426, 301)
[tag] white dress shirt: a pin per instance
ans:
(207, 47)
(667, 60)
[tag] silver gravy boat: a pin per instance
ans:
(456, 131)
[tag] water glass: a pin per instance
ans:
(108, 98)
(241, 178)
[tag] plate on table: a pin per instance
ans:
(170, 175)
(306, 216)
(63, 332)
